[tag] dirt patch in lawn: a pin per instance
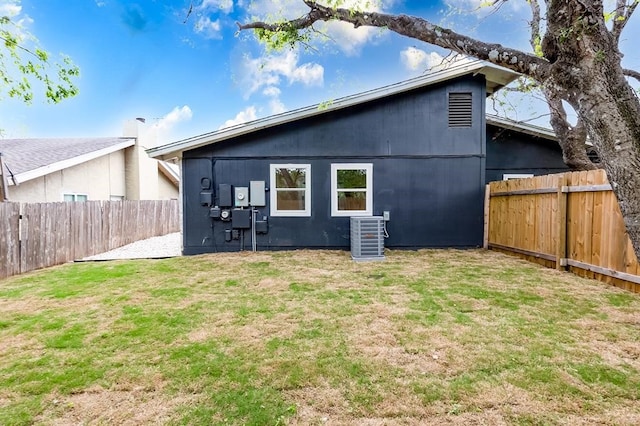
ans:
(429, 337)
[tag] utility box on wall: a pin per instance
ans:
(241, 219)
(225, 198)
(257, 188)
(242, 196)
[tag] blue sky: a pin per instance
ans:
(188, 76)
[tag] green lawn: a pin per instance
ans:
(313, 338)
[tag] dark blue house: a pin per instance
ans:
(417, 153)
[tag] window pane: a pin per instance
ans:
(69, 197)
(291, 200)
(81, 197)
(348, 200)
(291, 178)
(352, 179)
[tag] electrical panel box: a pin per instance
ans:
(241, 219)
(225, 198)
(242, 196)
(257, 193)
(206, 198)
(262, 227)
(214, 212)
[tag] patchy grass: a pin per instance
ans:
(310, 337)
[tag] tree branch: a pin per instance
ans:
(572, 140)
(621, 16)
(631, 73)
(417, 28)
(536, 38)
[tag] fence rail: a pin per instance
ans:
(566, 221)
(39, 235)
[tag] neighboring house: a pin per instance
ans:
(417, 150)
(80, 169)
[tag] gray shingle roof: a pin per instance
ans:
(24, 155)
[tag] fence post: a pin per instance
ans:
(4, 183)
(561, 223)
(487, 209)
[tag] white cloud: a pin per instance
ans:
(349, 39)
(101, 3)
(415, 59)
(276, 106)
(225, 6)
(207, 27)
(274, 8)
(10, 8)
(160, 131)
(271, 91)
(177, 115)
(268, 72)
(246, 115)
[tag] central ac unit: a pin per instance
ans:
(367, 238)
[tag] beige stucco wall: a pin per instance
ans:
(99, 179)
(166, 189)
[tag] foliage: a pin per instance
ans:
(24, 64)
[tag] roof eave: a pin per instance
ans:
(496, 75)
(70, 162)
(529, 129)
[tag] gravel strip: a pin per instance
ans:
(169, 245)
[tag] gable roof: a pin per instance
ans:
(496, 78)
(26, 159)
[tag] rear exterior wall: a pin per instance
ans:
(517, 153)
(430, 177)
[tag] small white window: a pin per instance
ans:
(352, 189)
(508, 176)
(116, 198)
(75, 197)
(290, 190)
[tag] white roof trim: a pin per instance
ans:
(170, 173)
(70, 162)
(494, 73)
(518, 126)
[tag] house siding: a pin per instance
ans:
(429, 176)
(510, 152)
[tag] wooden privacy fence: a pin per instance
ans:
(568, 220)
(39, 235)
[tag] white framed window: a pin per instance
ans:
(116, 197)
(508, 176)
(351, 189)
(290, 193)
(74, 197)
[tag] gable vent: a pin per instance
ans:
(460, 109)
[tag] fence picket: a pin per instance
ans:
(587, 234)
(53, 233)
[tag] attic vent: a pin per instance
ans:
(367, 238)
(460, 109)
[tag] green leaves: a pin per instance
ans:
(286, 36)
(24, 65)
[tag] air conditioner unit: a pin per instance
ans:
(367, 238)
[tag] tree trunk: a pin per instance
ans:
(586, 72)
